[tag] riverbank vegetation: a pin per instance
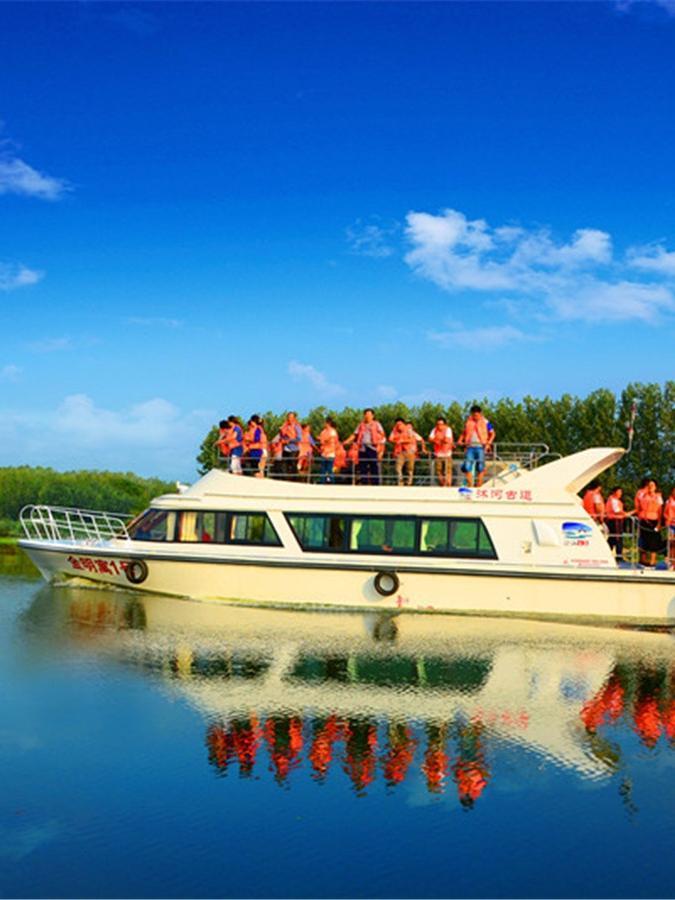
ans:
(120, 492)
(566, 425)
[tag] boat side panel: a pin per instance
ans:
(457, 592)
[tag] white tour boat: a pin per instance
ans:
(522, 545)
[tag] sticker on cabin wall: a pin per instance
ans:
(576, 533)
(465, 492)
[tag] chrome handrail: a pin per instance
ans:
(72, 525)
(502, 463)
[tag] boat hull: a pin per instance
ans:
(646, 598)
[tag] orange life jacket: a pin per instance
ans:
(650, 506)
(614, 508)
(669, 512)
(593, 502)
(249, 438)
(442, 438)
(376, 430)
(289, 431)
(328, 441)
(305, 445)
(340, 457)
(223, 442)
(478, 427)
(399, 438)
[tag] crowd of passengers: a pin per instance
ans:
(652, 513)
(291, 452)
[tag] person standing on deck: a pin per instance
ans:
(290, 434)
(236, 445)
(478, 437)
(255, 443)
(649, 508)
(669, 522)
(405, 440)
(594, 502)
(615, 517)
(370, 442)
(328, 444)
(442, 442)
(223, 442)
(306, 449)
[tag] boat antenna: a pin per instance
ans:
(631, 425)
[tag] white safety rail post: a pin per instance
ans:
(58, 523)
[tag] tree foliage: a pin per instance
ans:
(111, 491)
(566, 425)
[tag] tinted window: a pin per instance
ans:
(153, 525)
(382, 534)
(201, 527)
(319, 532)
(251, 528)
(455, 537)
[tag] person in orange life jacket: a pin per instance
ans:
(255, 442)
(223, 441)
(478, 436)
(615, 516)
(274, 459)
(594, 503)
(370, 441)
(669, 522)
(328, 444)
(236, 444)
(306, 447)
(350, 465)
(442, 441)
(290, 434)
(340, 461)
(405, 440)
(649, 509)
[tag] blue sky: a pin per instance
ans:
(235, 207)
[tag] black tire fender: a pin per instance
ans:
(136, 571)
(386, 583)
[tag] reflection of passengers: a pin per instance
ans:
(401, 752)
(360, 753)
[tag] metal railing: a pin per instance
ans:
(503, 462)
(62, 523)
(629, 545)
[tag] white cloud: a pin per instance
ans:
(484, 338)
(652, 258)
(304, 372)
(372, 237)
(10, 372)
(17, 177)
(528, 269)
(149, 437)
(144, 424)
(623, 301)
(15, 275)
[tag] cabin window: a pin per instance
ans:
(455, 537)
(251, 528)
(382, 534)
(319, 532)
(153, 525)
(201, 527)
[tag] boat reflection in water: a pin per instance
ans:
(387, 698)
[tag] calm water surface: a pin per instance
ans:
(157, 747)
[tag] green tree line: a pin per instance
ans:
(566, 425)
(111, 491)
